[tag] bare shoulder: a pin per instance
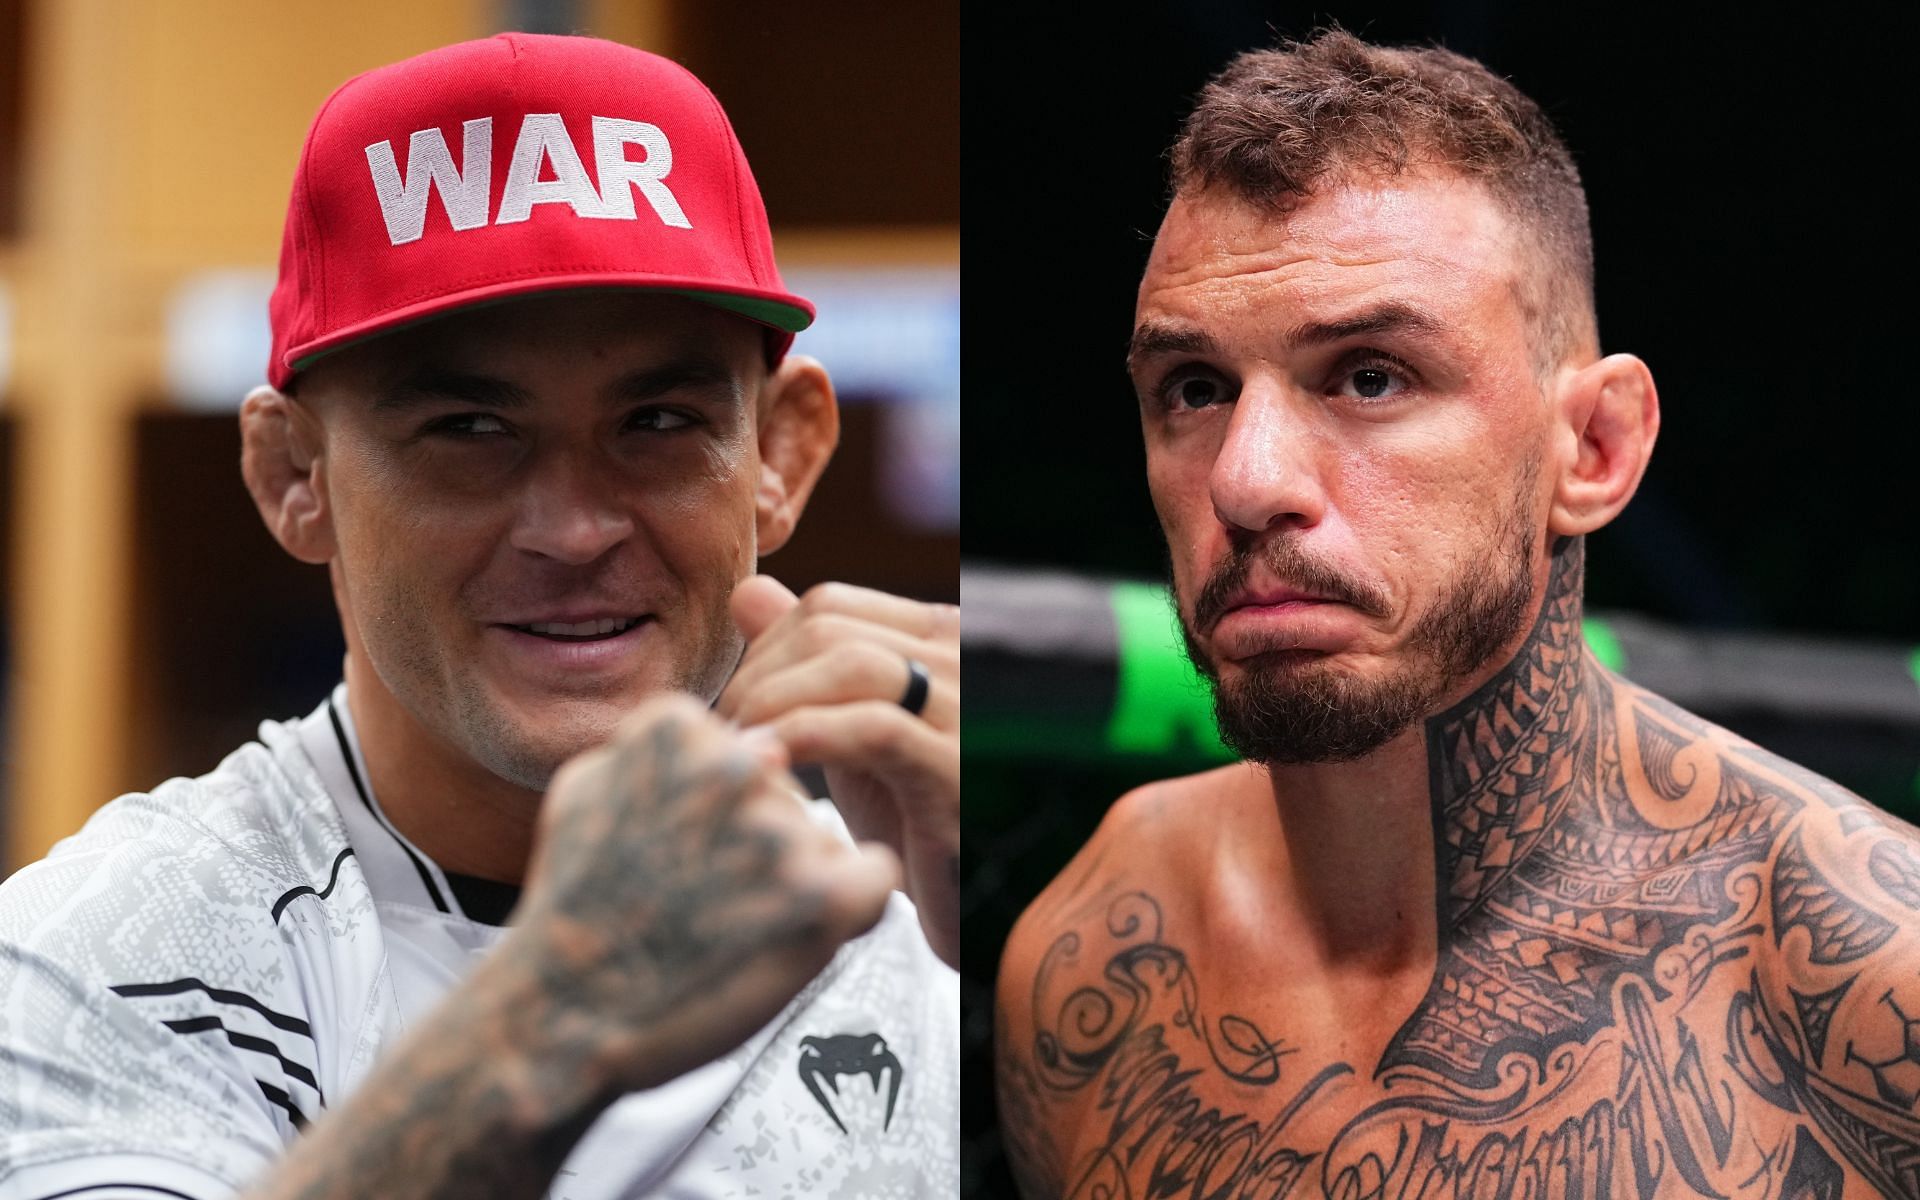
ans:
(1144, 837)
(1814, 840)
(1842, 912)
(1831, 956)
(1147, 836)
(1130, 840)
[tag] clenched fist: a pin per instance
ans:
(680, 895)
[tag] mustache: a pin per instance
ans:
(1287, 561)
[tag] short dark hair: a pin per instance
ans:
(1277, 123)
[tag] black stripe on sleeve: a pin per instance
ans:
(353, 773)
(95, 1188)
(280, 905)
(284, 1101)
(247, 1041)
(175, 987)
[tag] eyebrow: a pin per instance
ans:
(694, 370)
(1391, 316)
(434, 385)
(1155, 337)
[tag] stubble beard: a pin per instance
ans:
(463, 708)
(1293, 706)
(507, 749)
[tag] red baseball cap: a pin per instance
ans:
(520, 163)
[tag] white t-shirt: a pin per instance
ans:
(203, 969)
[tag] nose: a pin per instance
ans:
(571, 510)
(1268, 472)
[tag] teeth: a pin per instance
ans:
(585, 628)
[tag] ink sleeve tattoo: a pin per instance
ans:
(1670, 964)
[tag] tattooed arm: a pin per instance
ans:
(1023, 1105)
(1831, 1014)
(1037, 1116)
(1028, 1126)
(1031, 1128)
(1767, 1035)
(679, 899)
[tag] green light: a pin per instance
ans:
(1160, 697)
(1604, 644)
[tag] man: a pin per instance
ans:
(540, 510)
(1475, 917)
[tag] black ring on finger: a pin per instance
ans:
(915, 698)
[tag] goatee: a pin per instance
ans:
(1293, 706)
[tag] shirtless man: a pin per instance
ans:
(1475, 917)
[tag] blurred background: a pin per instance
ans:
(1752, 246)
(146, 151)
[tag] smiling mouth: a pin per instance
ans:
(582, 631)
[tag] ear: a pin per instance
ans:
(799, 427)
(281, 460)
(1610, 416)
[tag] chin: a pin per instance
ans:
(526, 743)
(529, 762)
(1318, 717)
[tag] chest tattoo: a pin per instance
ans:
(1664, 970)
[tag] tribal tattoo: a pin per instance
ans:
(1670, 964)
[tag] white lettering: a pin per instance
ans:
(542, 141)
(543, 138)
(429, 166)
(619, 175)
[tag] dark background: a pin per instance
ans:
(1753, 244)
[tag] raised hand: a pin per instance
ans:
(681, 895)
(828, 673)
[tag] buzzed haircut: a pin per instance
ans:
(1276, 124)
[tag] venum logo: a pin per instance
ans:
(826, 1060)
(543, 142)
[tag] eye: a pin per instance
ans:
(658, 420)
(467, 425)
(1192, 388)
(1372, 379)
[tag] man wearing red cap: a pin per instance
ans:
(531, 404)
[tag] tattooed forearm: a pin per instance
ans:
(488, 1102)
(670, 915)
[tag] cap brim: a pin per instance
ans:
(786, 313)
